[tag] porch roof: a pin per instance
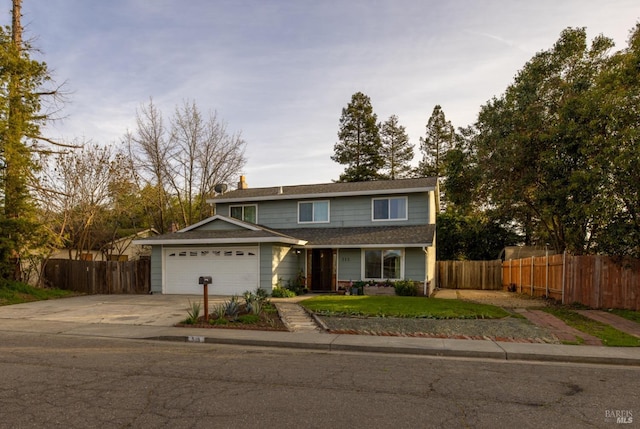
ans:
(244, 236)
(369, 236)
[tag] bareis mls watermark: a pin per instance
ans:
(618, 416)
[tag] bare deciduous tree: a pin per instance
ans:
(79, 196)
(183, 164)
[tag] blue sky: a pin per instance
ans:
(280, 72)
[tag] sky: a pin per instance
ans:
(280, 71)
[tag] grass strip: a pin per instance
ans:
(402, 306)
(17, 293)
(609, 335)
(634, 316)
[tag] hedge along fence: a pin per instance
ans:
(99, 277)
(485, 275)
(593, 280)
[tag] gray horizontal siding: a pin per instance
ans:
(344, 212)
(415, 264)
(349, 265)
(156, 269)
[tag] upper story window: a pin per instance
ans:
(245, 213)
(390, 208)
(313, 212)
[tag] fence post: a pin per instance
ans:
(484, 272)
(520, 276)
(564, 260)
(546, 272)
(532, 277)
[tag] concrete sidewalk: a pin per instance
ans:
(142, 317)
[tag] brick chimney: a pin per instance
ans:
(242, 184)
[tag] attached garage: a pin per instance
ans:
(230, 251)
(234, 270)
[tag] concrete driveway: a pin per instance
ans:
(148, 310)
(167, 310)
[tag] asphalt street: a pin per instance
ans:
(56, 381)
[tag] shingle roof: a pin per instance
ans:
(329, 189)
(220, 237)
(405, 235)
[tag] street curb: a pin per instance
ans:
(242, 342)
(480, 349)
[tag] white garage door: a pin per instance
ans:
(233, 269)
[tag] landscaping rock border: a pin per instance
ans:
(509, 329)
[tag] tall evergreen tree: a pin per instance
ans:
(397, 152)
(360, 146)
(21, 116)
(439, 139)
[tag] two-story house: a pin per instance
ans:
(333, 233)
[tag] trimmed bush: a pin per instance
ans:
(406, 288)
(280, 292)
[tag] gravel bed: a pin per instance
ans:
(508, 329)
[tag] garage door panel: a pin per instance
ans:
(233, 270)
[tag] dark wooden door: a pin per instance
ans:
(321, 269)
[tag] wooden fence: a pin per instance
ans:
(595, 281)
(470, 275)
(99, 277)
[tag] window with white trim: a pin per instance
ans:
(389, 208)
(313, 212)
(383, 264)
(246, 213)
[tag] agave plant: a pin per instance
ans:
(193, 312)
(249, 300)
(232, 308)
(219, 311)
(256, 308)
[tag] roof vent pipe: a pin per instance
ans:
(280, 191)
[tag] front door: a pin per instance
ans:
(321, 269)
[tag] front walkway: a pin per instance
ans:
(620, 323)
(295, 318)
(523, 305)
(558, 328)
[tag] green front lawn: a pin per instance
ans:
(402, 306)
(17, 293)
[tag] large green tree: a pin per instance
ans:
(397, 152)
(616, 129)
(472, 235)
(359, 146)
(463, 177)
(535, 145)
(22, 82)
(467, 228)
